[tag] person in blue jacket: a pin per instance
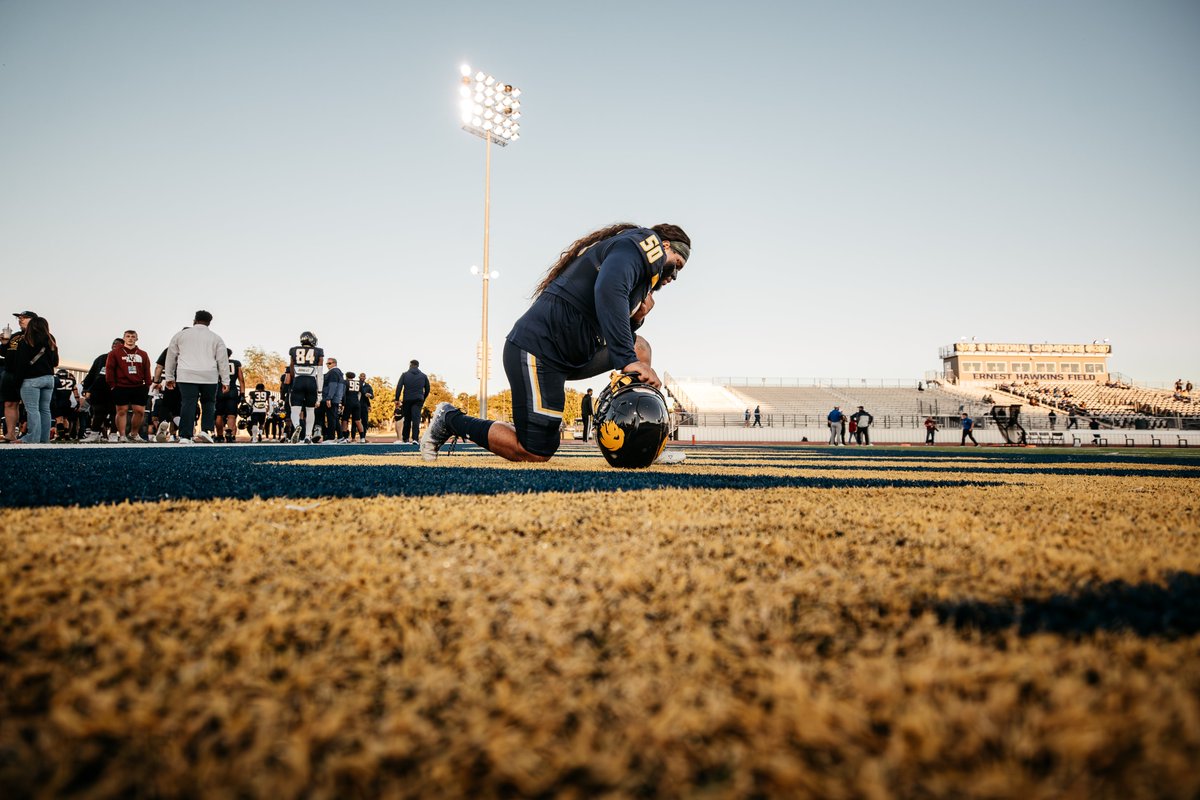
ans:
(835, 425)
(583, 322)
(333, 393)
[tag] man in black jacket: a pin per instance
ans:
(585, 407)
(95, 391)
(411, 392)
(862, 422)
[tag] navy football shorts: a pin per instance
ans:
(303, 392)
(538, 398)
(227, 404)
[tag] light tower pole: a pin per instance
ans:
(490, 110)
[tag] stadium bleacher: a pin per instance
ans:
(730, 402)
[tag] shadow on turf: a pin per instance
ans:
(67, 477)
(1143, 609)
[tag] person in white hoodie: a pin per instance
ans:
(197, 361)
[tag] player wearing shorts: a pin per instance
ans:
(582, 323)
(350, 405)
(99, 398)
(304, 383)
(127, 373)
(64, 406)
(169, 405)
(260, 406)
(365, 395)
(227, 403)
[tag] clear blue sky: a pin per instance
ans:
(862, 182)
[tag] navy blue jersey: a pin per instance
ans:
(234, 366)
(306, 360)
(591, 303)
(64, 389)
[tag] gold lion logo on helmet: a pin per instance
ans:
(611, 436)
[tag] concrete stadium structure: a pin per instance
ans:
(1050, 383)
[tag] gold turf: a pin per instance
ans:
(669, 642)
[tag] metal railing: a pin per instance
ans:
(814, 383)
(944, 421)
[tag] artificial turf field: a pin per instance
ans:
(343, 621)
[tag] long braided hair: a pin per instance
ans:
(671, 233)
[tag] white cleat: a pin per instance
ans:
(204, 436)
(164, 431)
(671, 457)
(437, 432)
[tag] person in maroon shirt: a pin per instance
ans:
(127, 373)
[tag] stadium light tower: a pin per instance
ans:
(491, 110)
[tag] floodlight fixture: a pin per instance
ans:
(489, 109)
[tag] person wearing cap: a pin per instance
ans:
(10, 386)
(834, 420)
(583, 322)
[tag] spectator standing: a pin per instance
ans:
(757, 416)
(1072, 419)
(197, 362)
(127, 373)
(36, 359)
(586, 410)
(1053, 419)
(410, 397)
(863, 419)
(747, 418)
(930, 429)
(365, 396)
(968, 430)
(99, 398)
(333, 394)
(835, 425)
(10, 386)
(1094, 426)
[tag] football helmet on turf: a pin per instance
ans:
(308, 338)
(632, 423)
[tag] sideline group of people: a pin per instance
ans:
(194, 392)
(858, 425)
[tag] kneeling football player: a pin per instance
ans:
(582, 323)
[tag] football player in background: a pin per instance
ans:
(350, 405)
(304, 383)
(582, 323)
(64, 406)
(366, 395)
(260, 406)
(227, 403)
